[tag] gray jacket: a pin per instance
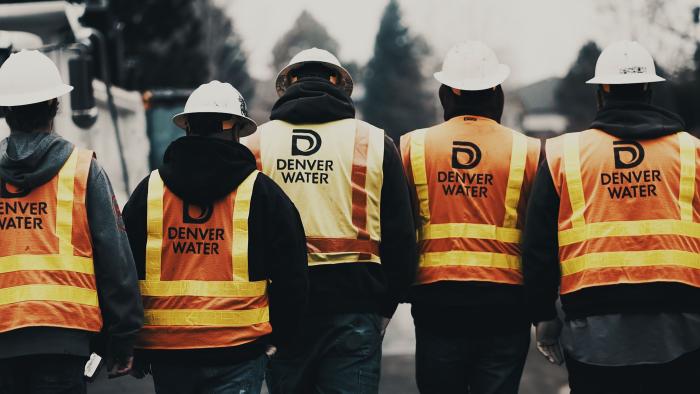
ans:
(28, 160)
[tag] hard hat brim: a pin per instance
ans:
(248, 128)
(346, 82)
(497, 77)
(13, 100)
(626, 79)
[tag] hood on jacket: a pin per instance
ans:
(28, 160)
(313, 100)
(636, 120)
(201, 170)
(487, 103)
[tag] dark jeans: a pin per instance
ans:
(333, 354)
(476, 363)
(42, 374)
(241, 378)
(679, 376)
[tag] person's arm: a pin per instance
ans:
(285, 260)
(134, 215)
(117, 284)
(397, 250)
(540, 248)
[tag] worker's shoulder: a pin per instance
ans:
(265, 187)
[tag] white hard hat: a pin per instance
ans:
(218, 98)
(472, 65)
(29, 77)
(314, 55)
(625, 62)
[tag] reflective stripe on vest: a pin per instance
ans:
(466, 251)
(596, 252)
(339, 201)
(47, 274)
(189, 308)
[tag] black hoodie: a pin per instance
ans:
(201, 170)
(628, 119)
(358, 288)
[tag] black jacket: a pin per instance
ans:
(202, 170)
(456, 308)
(28, 160)
(623, 119)
(359, 287)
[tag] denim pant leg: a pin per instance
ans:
(499, 365)
(175, 378)
(352, 364)
(43, 374)
(441, 363)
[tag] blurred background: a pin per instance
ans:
(134, 62)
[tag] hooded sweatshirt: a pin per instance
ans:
(202, 170)
(629, 324)
(28, 160)
(368, 287)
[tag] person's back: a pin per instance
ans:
(66, 271)
(617, 206)
(220, 253)
(471, 179)
(345, 177)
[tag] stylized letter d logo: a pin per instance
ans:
(633, 154)
(471, 149)
(311, 144)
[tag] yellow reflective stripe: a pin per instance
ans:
(572, 168)
(340, 258)
(241, 211)
(52, 262)
(471, 230)
(64, 211)
(631, 259)
(420, 178)
(687, 182)
(518, 158)
(57, 293)
(195, 317)
(470, 259)
(629, 229)
(154, 222)
(200, 288)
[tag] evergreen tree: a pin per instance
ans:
(396, 97)
(306, 33)
(574, 98)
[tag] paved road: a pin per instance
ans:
(539, 377)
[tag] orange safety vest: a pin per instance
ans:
(47, 276)
(336, 185)
(471, 177)
(628, 209)
(197, 293)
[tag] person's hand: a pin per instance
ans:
(121, 368)
(384, 324)
(270, 351)
(547, 337)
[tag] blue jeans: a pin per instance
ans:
(476, 364)
(241, 378)
(42, 374)
(339, 354)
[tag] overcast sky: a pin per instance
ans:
(537, 38)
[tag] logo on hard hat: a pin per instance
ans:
(244, 107)
(201, 214)
(628, 154)
(305, 142)
(462, 148)
(633, 70)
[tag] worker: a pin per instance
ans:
(471, 178)
(614, 227)
(220, 254)
(345, 177)
(62, 244)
